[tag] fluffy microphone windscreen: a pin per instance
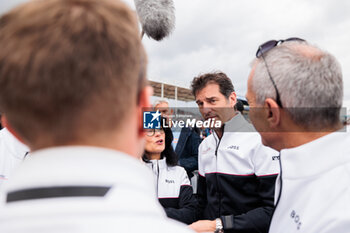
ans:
(157, 17)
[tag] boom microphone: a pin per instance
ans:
(157, 17)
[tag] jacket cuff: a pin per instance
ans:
(227, 222)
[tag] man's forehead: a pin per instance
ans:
(211, 90)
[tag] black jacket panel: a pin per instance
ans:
(182, 208)
(174, 191)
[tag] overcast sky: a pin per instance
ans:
(224, 35)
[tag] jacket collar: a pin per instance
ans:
(13, 146)
(316, 157)
(238, 124)
(161, 163)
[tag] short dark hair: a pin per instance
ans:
(219, 78)
(69, 68)
(168, 153)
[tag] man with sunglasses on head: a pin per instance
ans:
(236, 172)
(295, 93)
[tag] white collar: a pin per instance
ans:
(13, 145)
(160, 162)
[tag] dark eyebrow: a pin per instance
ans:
(210, 98)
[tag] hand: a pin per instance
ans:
(204, 226)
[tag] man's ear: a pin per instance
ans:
(144, 103)
(233, 99)
(273, 113)
(8, 126)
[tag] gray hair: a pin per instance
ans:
(160, 102)
(308, 80)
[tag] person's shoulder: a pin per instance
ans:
(206, 142)
(131, 220)
(178, 169)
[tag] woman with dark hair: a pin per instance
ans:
(173, 187)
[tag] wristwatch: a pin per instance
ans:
(219, 227)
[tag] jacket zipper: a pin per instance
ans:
(216, 175)
(157, 175)
(218, 144)
(280, 191)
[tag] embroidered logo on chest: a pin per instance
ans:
(233, 147)
(296, 219)
(169, 181)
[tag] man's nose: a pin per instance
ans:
(206, 110)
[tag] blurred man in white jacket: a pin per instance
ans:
(295, 93)
(73, 86)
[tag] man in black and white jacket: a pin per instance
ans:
(236, 172)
